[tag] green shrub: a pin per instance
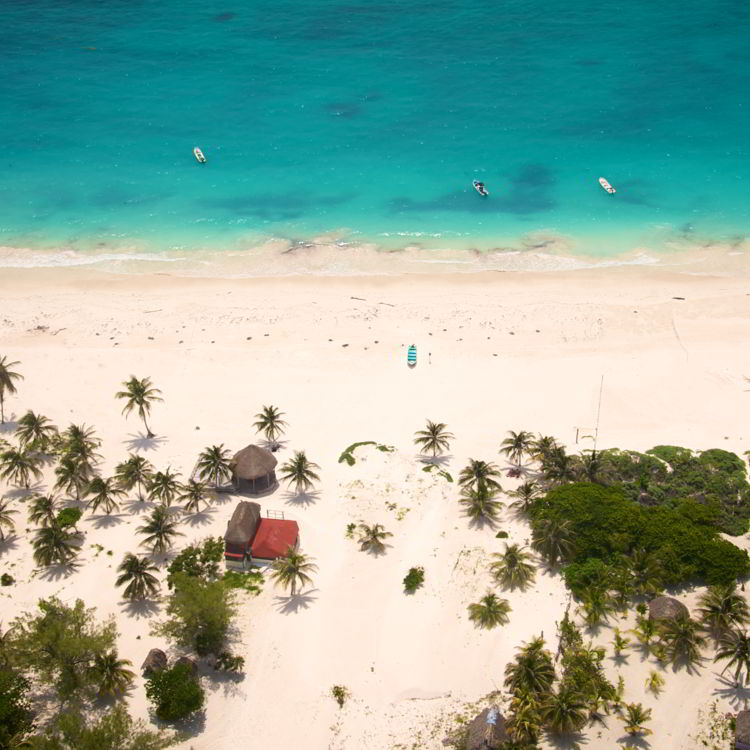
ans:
(501, 535)
(251, 580)
(340, 694)
(175, 693)
(15, 708)
(7, 580)
(229, 663)
(606, 526)
(414, 580)
(199, 560)
(69, 517)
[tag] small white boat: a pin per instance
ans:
(480, 188)
(606, 185)
(199, 155)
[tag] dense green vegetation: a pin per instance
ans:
(616, 543)
(667, 474)
(175, 692)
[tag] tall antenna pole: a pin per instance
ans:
(598, 412)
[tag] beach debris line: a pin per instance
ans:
(603, 182)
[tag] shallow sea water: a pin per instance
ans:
(367, 121)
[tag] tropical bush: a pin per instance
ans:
(199, 560)
(199, 613)
(340, 694)
(227, 662)
(414, 580)
(175, 692)
(606, 527)
(15, 708)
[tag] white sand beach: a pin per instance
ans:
(666, 351)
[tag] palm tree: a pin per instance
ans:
(516, 444)
(164, 487)
(541, 447)
(532, 670)
(300, 472)
(79, 443)
(734, 646)
(213, 463)
(139, 394)
(371, 538)
(35, 431)
(7, 385)
(5, 517)
(597, 604)
(160, 530)
(54, 545)
(270, 423)
(480, 474)
(646, 572)
(490, 611)
(193, 494)
(43, 510)
(558, 467)
(19, 466)
(512, 568)
(72, 475)
(104, 492)
(525, 494)
(593, 468)
(138, 573)
(552, 539)
(111, 674)
(481, 503)
(434, 438)
(565, 711)
(721, 608)
(636, 716)
(681, 639)
(291, 569)
(645, 631)
(135, 472)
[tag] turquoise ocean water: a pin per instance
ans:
(370, 120)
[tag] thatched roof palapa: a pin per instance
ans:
(742, 730)
(253, 462)
(665, 607)
(155, 661)
(243, 523)
(483, 734)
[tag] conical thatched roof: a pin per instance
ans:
(742, 730)
(253, 462)
(664, 607)
(486, 736)
(243, 523)
(155, 661)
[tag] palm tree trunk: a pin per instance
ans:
(148, 429)
(2, 404)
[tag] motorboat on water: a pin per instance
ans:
(606, 186)
(480, 188)
(199, 155)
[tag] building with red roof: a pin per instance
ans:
(252, 540)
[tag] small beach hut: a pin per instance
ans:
(487, 730)
(253, 470)
(742, 731)
(240, 533)
(155, 661)
(665, 607)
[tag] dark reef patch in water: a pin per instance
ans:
(279, 207)
(342, 109)
(223, 17)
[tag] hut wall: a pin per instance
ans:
(254, 486)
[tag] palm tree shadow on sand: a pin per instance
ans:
(140, 608)
(18, 493)
(9, 544)
(10, 425)
(482, 522)
(437, 461)
(633, 741)
(294, 602)
(141, 442)
(137, 506)
(301, 499)
(201, 518)
(573, 741)
(106, 521)
(737, 695)
(59, 571)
